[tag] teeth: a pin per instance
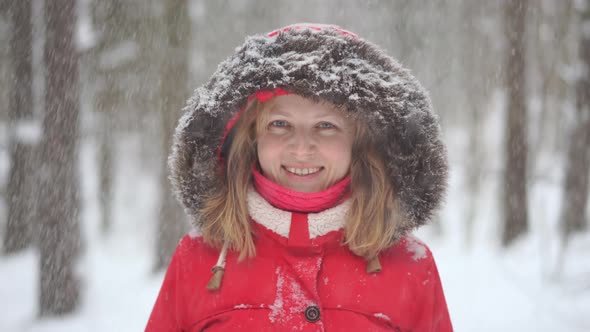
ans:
(302, 171)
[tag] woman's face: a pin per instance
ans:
(306, 146)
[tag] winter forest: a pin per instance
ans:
(91, 90)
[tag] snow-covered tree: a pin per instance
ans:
(515, 179)
(175, 48)
(59, 203)
(21, 184)
(575, 197)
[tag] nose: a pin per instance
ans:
(302, 144)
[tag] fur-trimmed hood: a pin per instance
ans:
(318, 62)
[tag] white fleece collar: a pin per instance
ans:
(279, 221)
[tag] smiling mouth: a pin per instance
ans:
(302, 171)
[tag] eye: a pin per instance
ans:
(278, 123)
(326, 125)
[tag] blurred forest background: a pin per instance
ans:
(90, 92)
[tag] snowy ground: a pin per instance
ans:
(487, 289)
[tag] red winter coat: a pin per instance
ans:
(302, 279)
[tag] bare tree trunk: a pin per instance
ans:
(4, 6)
(515, 190)
(126, 66)
(106, 175)
(20, 192)
(551, 55)
(109, 18)
(60, 234)
(575, 197)
(173, 90)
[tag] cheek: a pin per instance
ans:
(340, 154)
(267, 153)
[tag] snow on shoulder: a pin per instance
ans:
(416, 247)
(195, 233)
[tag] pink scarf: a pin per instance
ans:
(294, 201)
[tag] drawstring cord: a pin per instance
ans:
(218, 269)
(373, 265)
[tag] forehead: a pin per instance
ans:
(297, 106)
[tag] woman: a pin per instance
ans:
(304, 164)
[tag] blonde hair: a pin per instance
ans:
(372, 218)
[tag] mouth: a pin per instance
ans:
(303, 171)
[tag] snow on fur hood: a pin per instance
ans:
(318, 62)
